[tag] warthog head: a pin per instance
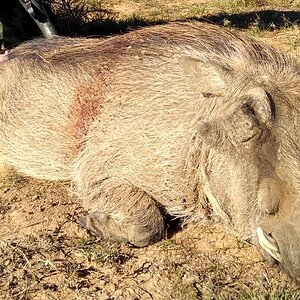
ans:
(252, 148)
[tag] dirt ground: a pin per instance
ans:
(45, 254)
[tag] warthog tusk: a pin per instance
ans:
(265, 240)
(267, 245)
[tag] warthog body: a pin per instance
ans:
(186, 119)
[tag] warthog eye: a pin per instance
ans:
(249, 111)
(260, 107)
(247, 123)
(259, 112)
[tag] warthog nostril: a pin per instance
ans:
(268, 244)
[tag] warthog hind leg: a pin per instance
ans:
(123, 212)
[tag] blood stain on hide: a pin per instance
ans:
(86, 106)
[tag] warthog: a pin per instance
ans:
(184, 119)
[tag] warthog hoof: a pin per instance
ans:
(105, 227)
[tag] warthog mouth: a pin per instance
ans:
(269, 244)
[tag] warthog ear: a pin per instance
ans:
(208, 76)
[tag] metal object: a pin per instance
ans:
(39, 15)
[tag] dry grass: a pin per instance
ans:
(44, 254)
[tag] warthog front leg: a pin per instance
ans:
(121, 211)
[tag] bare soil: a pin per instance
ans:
(44, 254)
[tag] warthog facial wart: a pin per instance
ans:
(184, 119)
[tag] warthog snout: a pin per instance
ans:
(279, 236)
(279, 231)
(287, 236)
(282, 244)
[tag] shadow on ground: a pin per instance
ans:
(265, 19)
(106, 24)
